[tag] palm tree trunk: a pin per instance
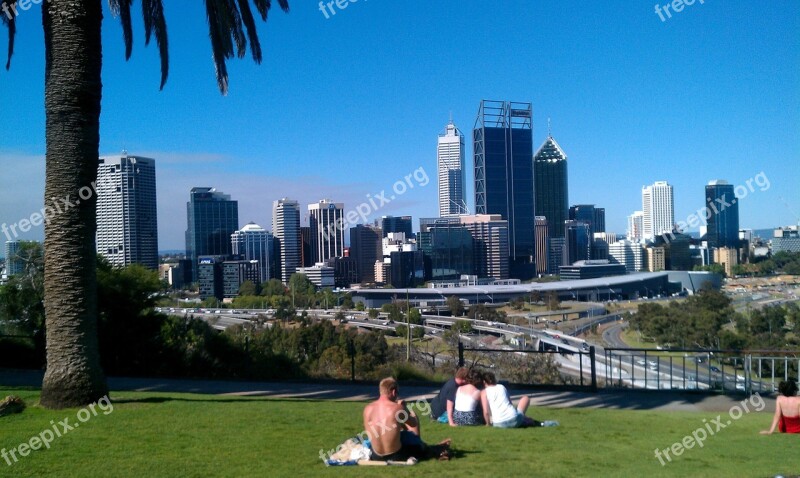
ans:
(72, 102)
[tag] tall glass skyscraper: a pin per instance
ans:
(452, 176)
(552, 191)
(254, 243)
(286, 227)
(503, 153)
(211, 219)
(723, 215)
(127, 223)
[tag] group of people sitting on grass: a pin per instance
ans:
(474, 397)
(470, 398)
(787, 410)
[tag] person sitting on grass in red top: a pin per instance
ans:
(787, 410)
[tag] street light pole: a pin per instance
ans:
(408, 326)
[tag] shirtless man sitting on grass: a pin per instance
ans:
(393, 428)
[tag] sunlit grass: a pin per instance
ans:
(185, 435)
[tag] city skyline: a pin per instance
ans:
(620, 130)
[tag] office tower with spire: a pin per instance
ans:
(452, 175)
(127, 217)
(723, 215)
(552, 192)
(211, 218)
(504, 185)
(658, 210)
(326, 220)
(254, 243)
(286, 228)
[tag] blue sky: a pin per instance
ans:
(344, 107)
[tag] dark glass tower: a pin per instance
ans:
(365, 248)
(397, 224)
(723, 212)
(503, 153)
(450, 249)
(595, 217)
(552, 193)
(211, 219)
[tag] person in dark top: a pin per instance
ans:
(442, 405)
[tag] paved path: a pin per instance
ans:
(612, 399)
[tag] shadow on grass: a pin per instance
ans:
(241, 400)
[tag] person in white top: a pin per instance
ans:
(499, 411)
(467, 406)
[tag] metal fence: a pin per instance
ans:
(586, 369)
(726, 371)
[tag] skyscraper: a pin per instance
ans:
(14, 265)
(127, 217)
(390, 224)
(503, 153)
(636, 226)
(286, 228)
(365, 248)
(452, 176)
(326, 219)
(552, 192)
(490, 232)
(723, 215)
(449, 250)
(658, 210)
(595, 217)
(254, 243)
(578, 242)
(211, 219)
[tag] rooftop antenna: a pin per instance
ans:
(549, 130)
(451, 116)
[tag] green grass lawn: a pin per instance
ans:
(183, 435)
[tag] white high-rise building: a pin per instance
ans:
(636, 226)
(658, 210)
(452, 176)
(127, 226)
(326, 220)
(254, 243)
(630, 254)
(286, 228)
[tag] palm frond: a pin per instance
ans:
(227, 22)
(252, 34)
(11, 22)
(122, 9)
(230, 21)
(220, 45)
(154, 23)
(263, 7)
